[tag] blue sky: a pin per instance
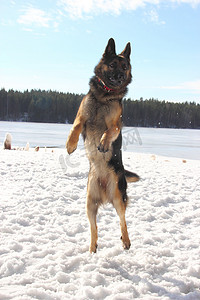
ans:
(55, 44)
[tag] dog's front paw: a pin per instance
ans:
(103, 148)
(71, 147)
(104, 145)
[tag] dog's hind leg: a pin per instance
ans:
(93, 201)
(92, 208)
(120, 207)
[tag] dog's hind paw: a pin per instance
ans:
(93, 248)
(126, 244)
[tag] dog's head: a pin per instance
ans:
(114, 70)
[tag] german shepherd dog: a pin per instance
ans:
(99, 119)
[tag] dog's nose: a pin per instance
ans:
(120, 77)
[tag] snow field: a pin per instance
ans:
(45, 236)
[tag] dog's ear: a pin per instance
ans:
(110, 48)
(127, 51)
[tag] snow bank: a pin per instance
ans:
(44, 231)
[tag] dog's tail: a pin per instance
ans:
(131, 177)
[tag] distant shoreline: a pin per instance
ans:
(184, 143)
(55, 107)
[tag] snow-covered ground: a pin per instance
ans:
(44, 231)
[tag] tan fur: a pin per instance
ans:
(99, 119)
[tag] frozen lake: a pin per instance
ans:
(183, 143)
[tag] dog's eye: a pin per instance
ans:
(124, 66)
(111, 65)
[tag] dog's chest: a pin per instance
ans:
(101, 112)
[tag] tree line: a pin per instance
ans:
(57, 107)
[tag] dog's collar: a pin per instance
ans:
(100, 81)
